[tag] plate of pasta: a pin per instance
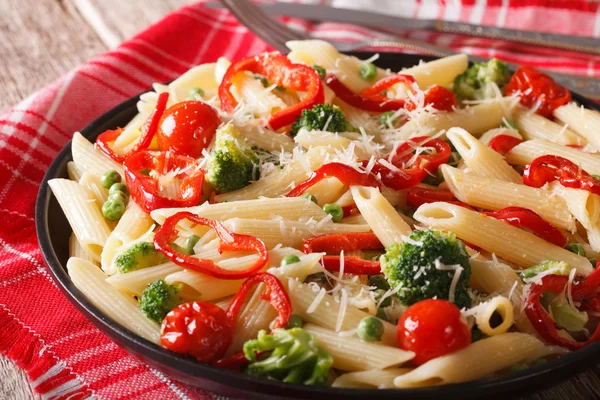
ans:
(326, 225)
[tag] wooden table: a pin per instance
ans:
(43, 39)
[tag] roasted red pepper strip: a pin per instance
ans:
(104, 141)
(422, 166)
(535, 86)
(234, 362)
(440, 98)
(418, 196)
(279, 70)
(145, 189)
(346, 174)
(543, 322)
(504, 143)
(370, 99)
(274, 293)
(338, 242)
(230, 241)
(527, 219)
(549, 168)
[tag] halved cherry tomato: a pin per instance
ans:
(187, 128)
(536, 86)
(432, 328)
(200, 329)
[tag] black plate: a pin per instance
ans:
(53, 232)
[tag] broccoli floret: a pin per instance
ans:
(473, 84)
(158, 299)
(233, 163)
(140, 255)
(295, 357)
(320, 117)
(417, 266)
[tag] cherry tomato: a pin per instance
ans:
(200, 329)
(535, 86)
(187, 128)
(504, 143)
(440, 98)
(432, 328)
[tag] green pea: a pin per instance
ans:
(290, 259)
(370, 329)
(310, 197)
(196, 92)
(294, 322)
(113, 210)
(576, 248)
(119, 187)
(118, 196)
(335, 210)
(320, 70)
(109, 178)
(379, 282)
(386, 119)
(368, 71)
(379, 293)
(596, 177)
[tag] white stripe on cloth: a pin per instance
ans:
(477, 12)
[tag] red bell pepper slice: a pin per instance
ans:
(274, 293)
(104, 141)
(230, 241)
(278, 69)
(439, 97)
(145, 189)
(549, 168)
(370, 99)
(336, 243)
(535, 86)
(504, 143)
(418, 196)
(422, 166)
(527, 219)
(543, 322)
(346, 174)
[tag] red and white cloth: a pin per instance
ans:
(64, 355)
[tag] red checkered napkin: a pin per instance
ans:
(64, 355)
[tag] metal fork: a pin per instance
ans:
(277, 34)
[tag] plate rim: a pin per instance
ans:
(554, 371)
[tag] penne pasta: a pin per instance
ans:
(441, 72)
(584, 122)
(534, 126)
(374, 379)
(88, 159)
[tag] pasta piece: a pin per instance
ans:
(257, 313)
(308, 139)
(92, 183)
(581, 120)
(83, 214)
(136, 281)
(585, 206)
(441, 72)
(384, 220)
(352, 354)
(264, 138)
(220, 68)
(375, 379)
(257, 99)
(73, 172)
(358, 118)
(328, 190)
(75, 249)
(210, 288)
(201, 76)
(509, 242)
(534, 126)
(481, 159)
(90, 280)
(288, 233)
(493, 194)
(492, 133)
(280, 181)
(322, 53)
(133, 130)
(500, 305)
(476, 119)
(87, 158)
(477, 360)
(288, 208)
(132, 225)
(326, 312)
(528, 151)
